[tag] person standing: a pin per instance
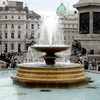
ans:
(94, 64)
(90, 66)
(86, 64)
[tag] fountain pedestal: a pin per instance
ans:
(52, 75)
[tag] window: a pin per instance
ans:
(12, 26)
(12, 17)
(12, 9)
(12, 46)
(3, 3)
(64, 25)
(96, 22)
(5, 47)
(18, 17)
(68, 36)
(69, 25)
(5, 25)
(69, 32)
(0, 17)
(5, 17)
(84, 23)
(72, 37)
(38, 26)
(19, 26)
(19, 35)
(32, 26)
(12, 35)
(32, 35)
(19, 47)
(38, 35)
(6, 36)
(64, 37)
(73, 26)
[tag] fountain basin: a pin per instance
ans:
(50, 49)
(57, 76)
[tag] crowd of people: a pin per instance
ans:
(89, 65)
(10, 60)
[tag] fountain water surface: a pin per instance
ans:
(50, 74)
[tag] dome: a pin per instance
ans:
(61, 9)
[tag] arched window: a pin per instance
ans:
(32, 35)
(6, 35)
(12, 35)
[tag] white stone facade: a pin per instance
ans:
(69, 22)
(16, 27)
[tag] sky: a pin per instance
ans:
(47, 5)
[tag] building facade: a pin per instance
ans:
(89, 25)
(3, 3)
(69, 23)
(18, 27)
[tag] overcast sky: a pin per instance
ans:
(48, 5)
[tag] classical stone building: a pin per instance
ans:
(18, 27)
(69, 23)
(89, 25)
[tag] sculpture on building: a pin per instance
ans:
(77, 49)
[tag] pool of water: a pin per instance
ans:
(10, 91)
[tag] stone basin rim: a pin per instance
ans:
(62, 64)
(51, 48)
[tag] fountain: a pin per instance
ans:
(50, 74)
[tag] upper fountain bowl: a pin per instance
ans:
(50, 51)
(50, 48)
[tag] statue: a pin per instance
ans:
(77, 49)
(32, 43)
